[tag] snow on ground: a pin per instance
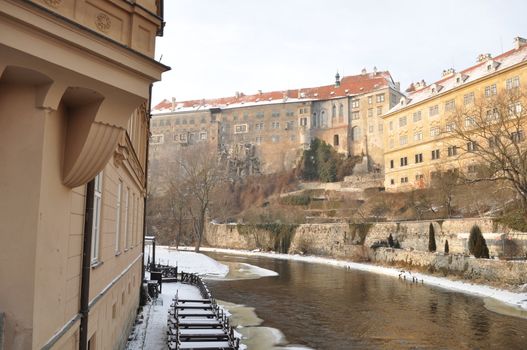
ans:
(518, 300)
(191, 262)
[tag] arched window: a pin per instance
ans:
(355, 133)
(314, 120)
(323, 120)
(335, 140)
(341, 113)
(334, 112)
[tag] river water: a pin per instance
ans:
(325, 307)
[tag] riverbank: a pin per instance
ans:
(509, 299)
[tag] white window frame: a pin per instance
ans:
(126, 216)
(96, 228)
(118, 216)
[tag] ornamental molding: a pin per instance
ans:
(103, 22)
(53, 3)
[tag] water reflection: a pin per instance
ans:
(324, 307)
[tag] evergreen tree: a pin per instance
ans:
(390, 240)
(447, 249)
(477, 245)
(431, 239)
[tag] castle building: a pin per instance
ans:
(75, 79)
(420, 141)
(272, 128)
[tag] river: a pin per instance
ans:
(325, 307)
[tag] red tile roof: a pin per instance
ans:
(349, 86)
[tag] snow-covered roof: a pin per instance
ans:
(485, 67)
(349, 86)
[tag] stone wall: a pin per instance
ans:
(495, 271)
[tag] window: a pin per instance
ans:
(403, 140)
(435, 131)
(404, 179)
(289, 125)
(126, 223)
(471, 146)
(275, 114)
(418, 136)
(517, 136)
(240, 128)
(355, 115)
(258, 140)
(234, 117)
(96, 228)
(203, 119)
(515, 109)
(203, 135)
(275, 138)
(390, 125)
(333, 111)
(469, 122)
(132, 231)
(370, 112)
(419, 177)
(355, 133)
(370, 100)
(450, 105)
(493, 141)
(341, 113)
(354, 103)
(290, 113)
(490, 90)
(452, 151)
(157, 139)
(392, 182)
(392, 165)
(380, 128)
(118, 216)
(370, 129)
(434, 110)
(303, 121)
(404, 161)
(435, 154)
(185, 121)
(450, 127)
(419, 158)
(402, 121)
(468, 98)
(379, 98)
(379, 110)
(183, 137)
(259, 126)
(493, 114)
(178, 121)
(191, 121)
(417, 116)
(275, 125)
(335, 140)
(512, 83)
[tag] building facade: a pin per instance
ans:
(267, 132)
(75, 80)
(420, 139)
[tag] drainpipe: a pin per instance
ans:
(146, 183)
(86, 266)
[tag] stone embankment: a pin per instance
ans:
(353, 242)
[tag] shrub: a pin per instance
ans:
(302, 199)
(447, 249)
(431, 239)
(477, 245)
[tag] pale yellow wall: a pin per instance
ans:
(429, 143)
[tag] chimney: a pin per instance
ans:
(363, 71)
(519, 42)
(374, 70)
(237, 94)
(173, 104)
(484, 57)
(448, 72)
(411, 88)
(398, 85)
(259, 92)
(423, 83)
(337, 79)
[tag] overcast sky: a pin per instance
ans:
(218, 47)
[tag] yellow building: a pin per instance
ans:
(75, 78)
(419, 140)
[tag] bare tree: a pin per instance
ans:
(176, 201)
(490, 131)
(201, 172)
